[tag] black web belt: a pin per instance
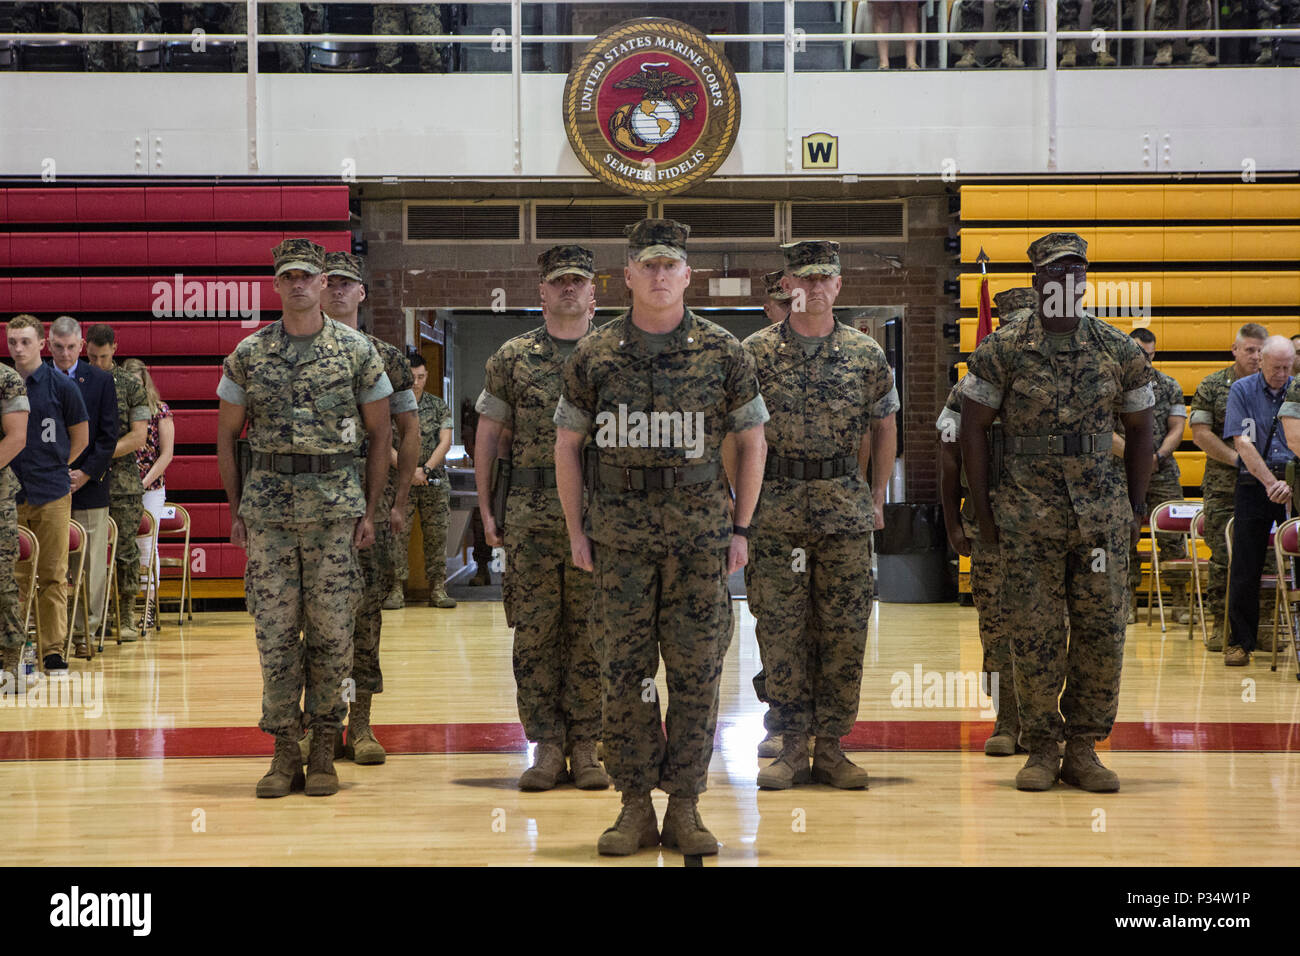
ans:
(285, 464)
(654, 479)
(1068, 445)
(532, 478)
(814, 470)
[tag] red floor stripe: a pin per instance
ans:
(887, 735)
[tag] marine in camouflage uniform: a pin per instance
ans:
(305, 398)
(1165, 484)
(1013, 305)
(1067, 18)
(1060, 512)
(1270, 14)
(1164, 16)
(117, 18)
(809, 578)
(1219, 484)
(660, 524)
(1004, 20)
(409, 20)
(126, 497)
(376, 562)
(13, 399)
(547, 597)
(272, 18)
(433, 502)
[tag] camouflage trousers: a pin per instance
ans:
(1069, 11)
(986, 593)
(1164, 487)
(127, 510)
(812, 611)
(1164, 15)
(1218, 509)
(414, 20)
(303, 579)
(646, 605)
(1004, 15)
(433, 503)
(556, 671)
(116, 18)
(1086, 577)
(12, 632)
(1273, 13)
(272, 18)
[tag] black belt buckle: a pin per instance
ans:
(628, 484)
(282, 464)
(797, 470)
(668, 478)
(1071, 445)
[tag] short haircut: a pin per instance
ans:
(1296, 336)
(1252, 330)
(64, 326)
(26, 321)
(417, 361)
(101, 335)
(1143, 335)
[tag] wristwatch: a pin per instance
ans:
(738, 530)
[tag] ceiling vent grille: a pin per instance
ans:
(462, 222)
(848, 220)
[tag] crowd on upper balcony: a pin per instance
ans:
(908, 16)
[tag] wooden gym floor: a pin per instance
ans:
(159, 768)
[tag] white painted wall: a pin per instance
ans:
(989, 122)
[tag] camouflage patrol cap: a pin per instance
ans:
(1057, 245)
(345, 264)
(567, 260)
(772, 286)
(655, 238)
(1013, 300)
(812, 257)
(299, 254)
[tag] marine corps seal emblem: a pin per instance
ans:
(652, 108)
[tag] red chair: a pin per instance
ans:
(175, 523)
(29, 554)
(1286, 547)
(78, 545)
(1177, 517)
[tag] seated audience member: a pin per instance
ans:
(153, 459)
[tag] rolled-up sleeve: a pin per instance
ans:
(753, 412)
(1137, 399)
(1200, 416)
(494, 408)
(986, 393)
(17, 403)
(373, 393)
(571, 418)
(887, 405)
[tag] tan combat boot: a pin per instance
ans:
(1164, 55)
(1104, 58)
(128, 632)
(637, 826)
(285, 774)
(396, 600)
(547, 770)
(1041, 769)
(791, 768)
(322, 781)
(831, 766)
(967, 56)
(1082, 769)
(1265, 54)
(1009, 56)
(1069, 55)
(304, 747)
(1202, 56)
(588, 774)
(684, 830)
(362, 746)
(1006, 729)
(438, 598)
(770, 746)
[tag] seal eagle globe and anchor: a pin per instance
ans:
(641, 127)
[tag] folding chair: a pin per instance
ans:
(175, 523)
(1176, 517)
(148, 580)
(1265, 580)
(78, 545)
(29, 554)
(1286, 547)
(110, 589)
(147, 529)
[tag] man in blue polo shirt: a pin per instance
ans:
(56, 434)
(1262, 494)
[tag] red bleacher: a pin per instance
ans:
(79, 250)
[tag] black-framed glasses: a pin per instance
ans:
(1059, 268)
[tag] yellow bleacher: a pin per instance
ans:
(1129, 202)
